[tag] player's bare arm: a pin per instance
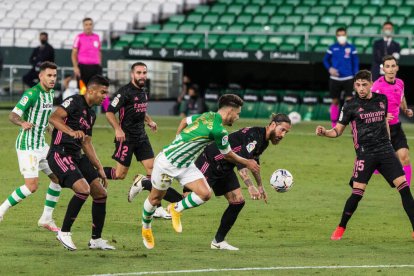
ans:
(90, 152)
(183, 125)
(119, 133)
(258, 179)
(330, 133)
(148, 120)
(57, 120)
(244, 174)
(404, 108)
(74, 57)
(236, 159)
(17, 120)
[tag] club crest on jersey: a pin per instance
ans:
(250, 147)
(66, 103)
(381, 104)
(136, 99)
(360, 109)
(24, 100)
(347, 52)
(225, 140)
(115, 101)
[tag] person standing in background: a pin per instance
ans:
(44, 52)
(382, 47)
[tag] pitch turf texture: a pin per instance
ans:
(292, 230)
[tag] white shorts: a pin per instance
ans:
(164, 172)
(33, 161)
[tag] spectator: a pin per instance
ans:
(44, 52)
(71, 87)
(183, 94)
(341, 61)
(194, 104)
(382, 47)
(86, 53)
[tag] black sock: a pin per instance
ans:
(110, 173)
(74, 206)
(351, 205)
(407, 200)
(146, 184)
(172, 195)
(228, 219)
(98, 216)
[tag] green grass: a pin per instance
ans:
(293, 229)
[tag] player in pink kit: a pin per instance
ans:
(393, 88)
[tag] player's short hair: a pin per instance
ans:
(47, 65)
(340, 29)
(389, 57)
(280, 118)
(231, 100)
(98, 80)
(87, 19)
(138, 64)
(363, 75)
(388, 23)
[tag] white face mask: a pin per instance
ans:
(388, 33)
(341, 39)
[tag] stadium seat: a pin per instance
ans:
(290, 102)
(302, 10)
(268, 105)
(309, 108)
(324, 106)
(211, 97)
(235, 9)
(293, 19)
(405, 10)
(277, 19)
(270, 10)
(250, 106)
(311, 19)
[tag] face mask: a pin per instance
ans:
(341, 39)
(387, 33)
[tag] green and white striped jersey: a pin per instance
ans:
(200, 131)
(34, 107)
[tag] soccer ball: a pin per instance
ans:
(295, 117)
(281, 180)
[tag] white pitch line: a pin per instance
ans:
(257, 269)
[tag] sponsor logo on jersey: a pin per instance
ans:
(24, 100)
(225, 140)
(47, 105)
(115, 101)
(250, 147)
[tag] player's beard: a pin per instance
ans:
(274, 139)
(139, 82)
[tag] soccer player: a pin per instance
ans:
(247, 143)
(31, 113)
(393, 88)
(177, 161)
(341, 61)
(73, 121)
(367, 115)
(130, 137)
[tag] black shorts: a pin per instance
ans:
(221, 184)
(69, 169)
(123, 151)
(398, 139)
(87, 71)
(387, 164)
(336, 87)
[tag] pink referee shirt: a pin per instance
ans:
(89, 47)
(394, 93)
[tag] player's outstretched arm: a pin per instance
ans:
(119, 133)
(183, 125)
(404, 108)
(57, 120)
(152, 125)
(17, 120)
(258, 179)
(330, 133)
(90, 152)
(253, 192)
(251, 164)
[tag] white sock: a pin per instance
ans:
(147, 213)
(18, 195)
(190, 201)
(52, 197)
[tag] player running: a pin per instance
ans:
(393, 88)
(177, 161)
(73, 121)
(32, 113)
(367, 115)
(248, 143)
(131, 139)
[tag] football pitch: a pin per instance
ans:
(288, 236)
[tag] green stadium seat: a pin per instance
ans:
(309, 109)
(119, 45)
(136, 44)
(294, 40)
(226, 39)
(328, 19)
(261, 19)
(353, 10)
(236, 46)
(244, 19)
(277, 19)
(343, 3)
(227, 18)
(188, 45)
(332, 28)
(211, 18)
(321, 10)
(312, 41)
(254, 28)
(154, 45)
(378, 2)
(170, 27)
(302, 28)
(398, 20)
(355, 29)
(177, 38)
(327, 41)
(285, 28)
(219, 27)
(363, 41)
(269, 47)
(252, 46)
(310, 2)
(311, 19)
(402, 40)
(275, 39)
(213, 38)
(293, 19)
(259, 39)
(220, 46)
(387, 11)
(178, 18)
(302, 10)
(268, 105)
(270, 10)
(345, 19)
(160, 38)
(250, 105)
(287, 2)
(336, 9)
(211, 97)
(362, 19)
(218, 8)
(252, 9)
(143, 38)
(285, 10)
(171, 45)
(326, 3)
(153, 27)
(186, 27)
(284, 47)
(241, 2)
(244, 39)
(194, 18)
(289, 102)
(202, 9)
(259, 2)
(194, 38)
(236, 28)
(235, 9)
(369, 10)
(127, 37)
(320, 29)
(324, 107)
(396, 3)
(319, 48)
(409, 22)
(405, 10)
(371, 29)
(203, 27)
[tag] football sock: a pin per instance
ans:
(74, 206)
(190, 201)
(147, 213)
(407, 170)
(18, 195)
(228, 219)
(146, 184)
(98, 216)
(334, 111)
(407, 201)
(52, 197)
(351, 205)
(110, 173)
(172, 195)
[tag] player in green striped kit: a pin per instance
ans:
(32, 114)
(177, 161)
